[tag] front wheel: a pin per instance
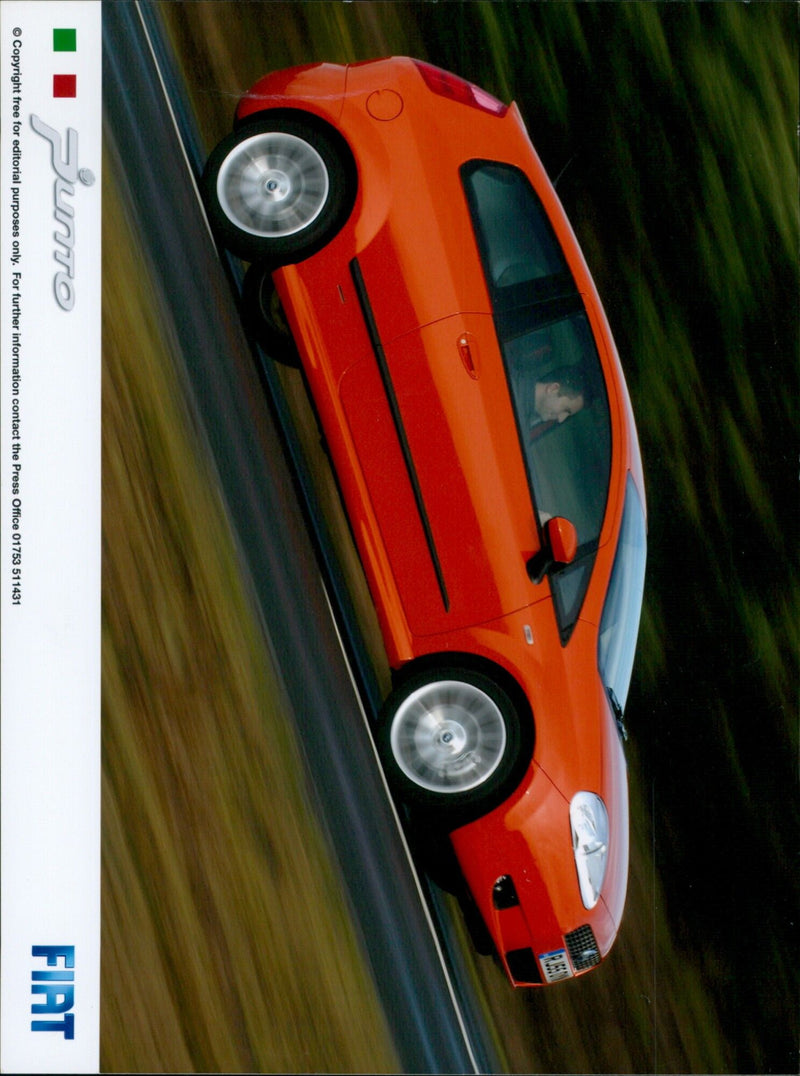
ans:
(450, 739)
(278, 188)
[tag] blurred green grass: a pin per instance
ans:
(672, 129)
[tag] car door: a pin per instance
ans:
(438, 446)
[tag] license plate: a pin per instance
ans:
(555, 966)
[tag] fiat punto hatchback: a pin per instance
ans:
(477, 418)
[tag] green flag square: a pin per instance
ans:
(64, 40)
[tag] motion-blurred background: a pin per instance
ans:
(229, 943)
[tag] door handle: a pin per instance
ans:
(468, 351)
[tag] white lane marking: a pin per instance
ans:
(173, 117)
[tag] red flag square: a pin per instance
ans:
(64, 85)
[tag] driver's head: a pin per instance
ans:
(560, 394)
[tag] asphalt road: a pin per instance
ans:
(293, 575)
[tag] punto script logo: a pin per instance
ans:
(68, 174)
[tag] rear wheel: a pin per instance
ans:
(278, 188)
(450, 739)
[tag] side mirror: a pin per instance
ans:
(559, 547)
(562, 538)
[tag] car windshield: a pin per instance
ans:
(553, 368)
(619, 625)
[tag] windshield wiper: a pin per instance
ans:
(619, 717)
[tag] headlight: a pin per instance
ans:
(589, 820)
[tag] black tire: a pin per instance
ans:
(450, 739)
(279, 188)
(264, 318)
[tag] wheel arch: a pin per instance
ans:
(312, 120)
(470, 663)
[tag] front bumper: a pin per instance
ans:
(518, 863)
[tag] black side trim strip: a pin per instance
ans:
(394, 407)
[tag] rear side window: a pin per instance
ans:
(518, 245)
(554, 373)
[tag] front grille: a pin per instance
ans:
(583, 949)
(523, 967)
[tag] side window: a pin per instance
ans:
(568, 455)
(517, 241)
(554, 373)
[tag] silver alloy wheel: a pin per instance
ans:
(448, 736)
(273, 184)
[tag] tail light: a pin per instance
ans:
(458, 89)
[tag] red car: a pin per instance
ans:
(477, 417)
